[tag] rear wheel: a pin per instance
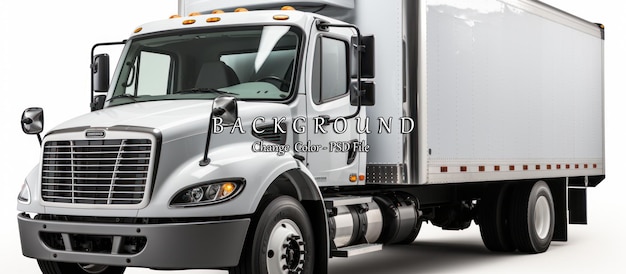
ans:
(493, 219)
(48, 267)
(282, 241)
(532, 217)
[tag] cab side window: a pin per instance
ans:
(330, 70)
(150, 74)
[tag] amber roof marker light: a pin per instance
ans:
(189, 22)
(281, 17)
(213, 19)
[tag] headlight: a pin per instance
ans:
(24, 196)
(209, 193)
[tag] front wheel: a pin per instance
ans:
(282, 241)
(48, 267)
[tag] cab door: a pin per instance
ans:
(335, 162)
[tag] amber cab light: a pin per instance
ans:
(281, 17)
(213, 19)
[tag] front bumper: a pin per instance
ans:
(195, 245)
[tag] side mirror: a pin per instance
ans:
(225, 107)
(32, 122)
(368, 54)
(368, 94)
(98, 102)
(100, 73)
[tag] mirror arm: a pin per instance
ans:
(360, 49)
(93, 51)
(205, 160)
(223, 107)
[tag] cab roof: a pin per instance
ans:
(206, 6)
(265, 17)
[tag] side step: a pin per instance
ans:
(351, 251)
(346, 200)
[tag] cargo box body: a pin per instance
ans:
(499, 90)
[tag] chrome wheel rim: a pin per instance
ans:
(285, 249)
(542, 217)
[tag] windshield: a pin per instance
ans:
(247, 63)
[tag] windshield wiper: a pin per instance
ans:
(204, 90)
(124, 95)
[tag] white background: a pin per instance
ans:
(44, 61)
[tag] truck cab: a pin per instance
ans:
(208, 116)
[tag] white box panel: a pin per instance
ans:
(508, 84)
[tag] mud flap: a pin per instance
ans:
(578, 206)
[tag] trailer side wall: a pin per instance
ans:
(515, 91)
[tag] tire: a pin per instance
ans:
(493, 219)
(282, 241)
(532, 217)
(411, 238)
(49, 267)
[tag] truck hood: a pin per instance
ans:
(175, 119)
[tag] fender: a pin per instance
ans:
(311, 198)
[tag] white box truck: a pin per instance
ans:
(269, 136)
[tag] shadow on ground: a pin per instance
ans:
(420, 257)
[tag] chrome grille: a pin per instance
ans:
(101, 172)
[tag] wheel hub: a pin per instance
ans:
(542, 217)
(285, 251)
